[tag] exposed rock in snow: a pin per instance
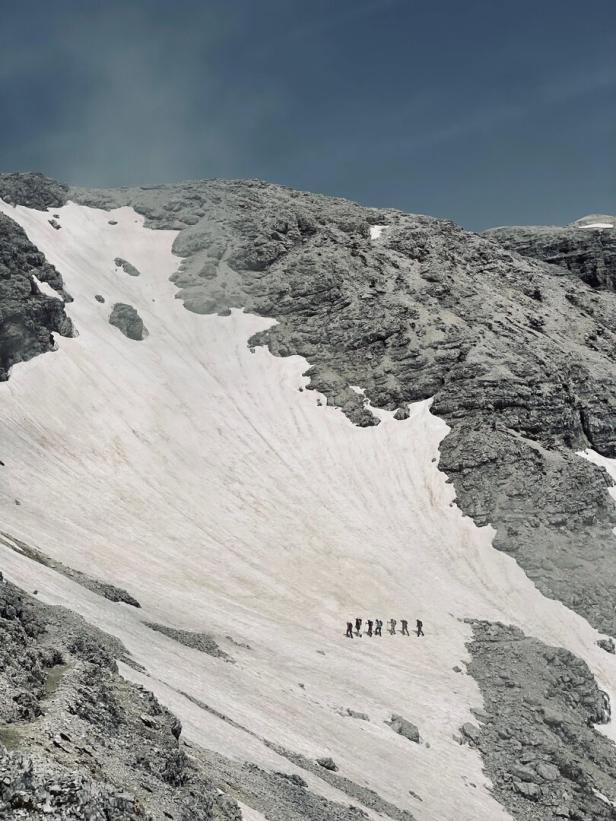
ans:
(126, 318)
(537, 739)
(607, 645)
(404, 728)
(198, 641)
(33, 190)
(127, 267)
(328, 763)
(28, 315)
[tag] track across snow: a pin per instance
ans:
(203, 479)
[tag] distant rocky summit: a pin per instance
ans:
(587, 247)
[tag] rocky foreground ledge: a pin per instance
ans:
(76, 739)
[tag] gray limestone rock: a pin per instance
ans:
(588, 252)
(536, 734)
(126, 319)
(33, 190)
(84, 742)
(404, 728)
(607, 645)
(203, 642)
(328, 764)
(127, 267)
(28, 318)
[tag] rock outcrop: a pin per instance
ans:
(33, 190)
(126, 319)
(536, 735)
(586, 248)
(127, 267)
(202, 642)
(28, 318)
(64, 708)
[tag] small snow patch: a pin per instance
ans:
(376, 231)
(45, 288)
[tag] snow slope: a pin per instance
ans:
(201, 477)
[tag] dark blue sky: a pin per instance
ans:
(485, 111)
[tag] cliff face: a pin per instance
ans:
(589, 252)
(28, 317)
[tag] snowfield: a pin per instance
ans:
(204, 479)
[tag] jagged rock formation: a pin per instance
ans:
(544, 757)
(28, 318)
(33, 190)
(77, 740)
(518, 355)
(589, 252)
(126, 319)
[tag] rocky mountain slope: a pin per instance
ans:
(587, 247)
(511, 341)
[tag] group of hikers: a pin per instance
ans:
(375, 628)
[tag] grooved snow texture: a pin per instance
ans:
(519, 355)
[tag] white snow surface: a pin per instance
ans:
(196, 475)
(597, 225)
(376, 231)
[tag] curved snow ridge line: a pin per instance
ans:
(197, 475)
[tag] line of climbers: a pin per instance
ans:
(375, 627)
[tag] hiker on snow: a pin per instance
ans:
(420, 631)
(392, 626)
(357, 627)
(349, 632)
(370, 623)
(405, 627)
(378, 628)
